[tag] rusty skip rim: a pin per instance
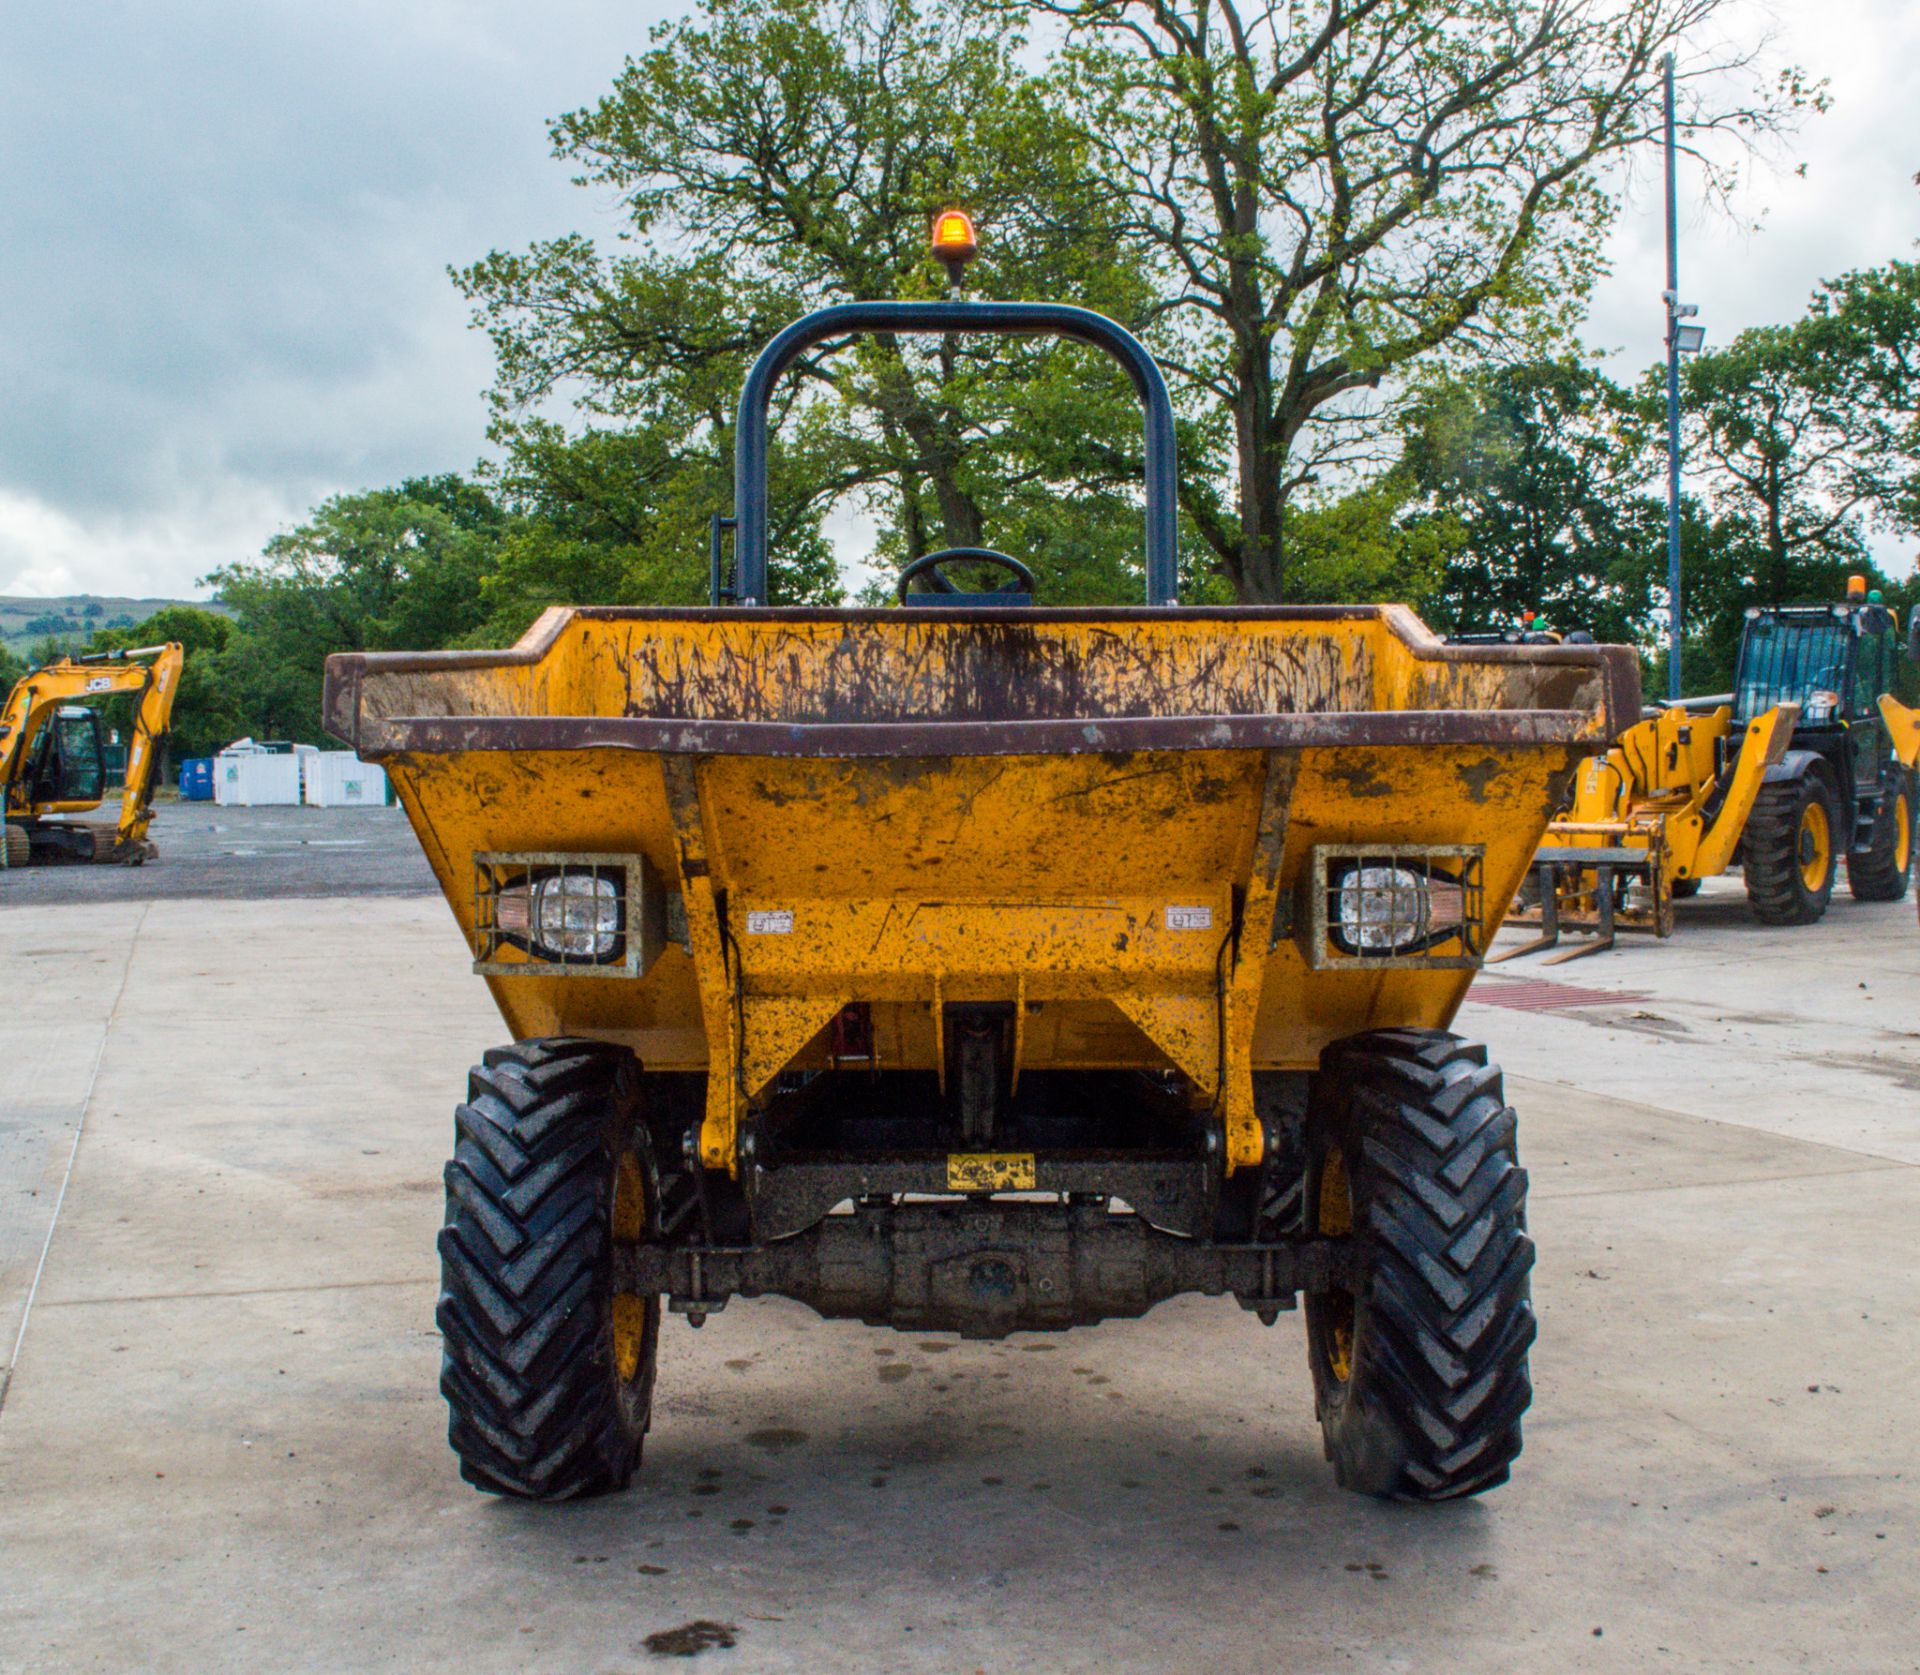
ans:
(1616, 666)
(1399, 620)
(445, 735)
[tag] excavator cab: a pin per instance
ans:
(67, 767)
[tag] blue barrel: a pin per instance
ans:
(196, 779)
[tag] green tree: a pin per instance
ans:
(1374, 545)
(393, 569)
(206, 708)
(1331, 193)
(772, 156)
(1547, 470)
(1866, 327)
(1774, 426)
(619, 516)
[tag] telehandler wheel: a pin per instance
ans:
(548, 1372)
(1880, 871)
(1420, 1372)
(1789, 851)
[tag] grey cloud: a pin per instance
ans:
(224, 228)
(226, 231)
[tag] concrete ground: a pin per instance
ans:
(246, 854)
(221, 1446)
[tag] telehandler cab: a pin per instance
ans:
(53, 755)
(1839, 789)
(979, 966)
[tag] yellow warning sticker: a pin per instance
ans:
(990, 1172)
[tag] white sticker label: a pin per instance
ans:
(775, 922)
(1189, 918)
(100, 683)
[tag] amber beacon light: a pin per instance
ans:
(954, 244)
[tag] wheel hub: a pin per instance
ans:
(1815, 846)
(1333, 1215)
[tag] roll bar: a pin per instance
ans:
(1009, 319)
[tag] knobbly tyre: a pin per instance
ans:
(978, 966)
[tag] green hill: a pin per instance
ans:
(72, 618)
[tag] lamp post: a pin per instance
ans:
(1681, 340)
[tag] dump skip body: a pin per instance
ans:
(1106, 819)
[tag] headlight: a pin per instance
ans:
(1398, 904)
(592, 915)
(565, 916)
(1391, 910)
(576, 918)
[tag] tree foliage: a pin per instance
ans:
(1547, 468)
(394, 569)
(208, 711)
(773, 156)
(1867, 328)
(1803, 437)
(1771, 422)
(1330, 193)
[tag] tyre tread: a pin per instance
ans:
(524, 1257)
(1443, 1227)
(1871, 873)
(1771, 857)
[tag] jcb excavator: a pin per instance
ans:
(53, 755)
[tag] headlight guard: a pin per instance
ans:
(537, 914)
(1394, 906)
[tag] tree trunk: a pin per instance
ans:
(1776, 589)
(1259, 569)
(939, 456)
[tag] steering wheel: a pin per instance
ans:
(928, 565)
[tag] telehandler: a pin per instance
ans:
(1794, 768)
(53, 755)
(972, 965)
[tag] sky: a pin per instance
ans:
(225, 229)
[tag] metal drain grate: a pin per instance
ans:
(1542, 996)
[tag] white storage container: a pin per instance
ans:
(253, 780)
(339, 779)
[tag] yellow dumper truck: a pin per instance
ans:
(975, 966)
